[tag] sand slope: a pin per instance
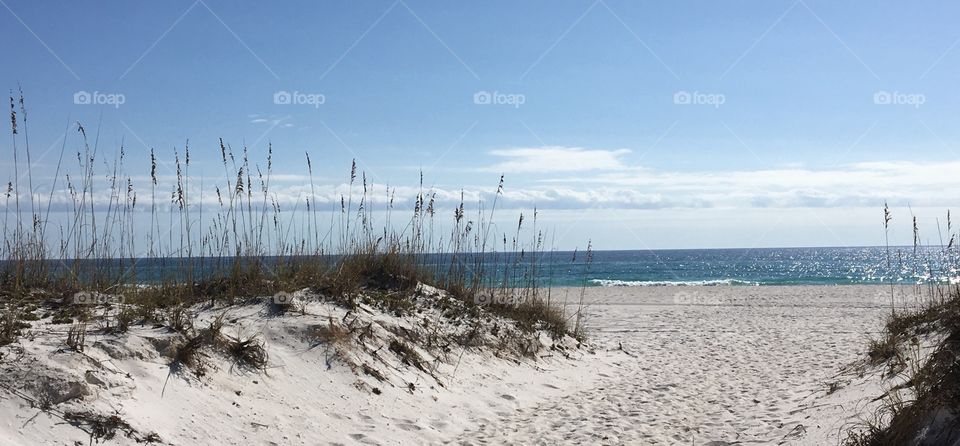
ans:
(311, 392)
(671, 365)
(710, 365)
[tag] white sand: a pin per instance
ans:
(727, 365)
(743, 365)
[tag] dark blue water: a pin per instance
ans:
(768, 266)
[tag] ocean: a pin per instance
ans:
(763, 266)
(718, 267)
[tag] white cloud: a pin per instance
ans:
(270, 119)
(601, 179)
(932, 184)
(556, 159)
(862, 184)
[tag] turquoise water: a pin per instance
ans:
(767, 266)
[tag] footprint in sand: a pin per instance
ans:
(409, 427)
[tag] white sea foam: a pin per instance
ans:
(612, 282)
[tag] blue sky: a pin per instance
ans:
(635, 124)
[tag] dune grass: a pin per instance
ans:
(933, 382)
(925, 408)
(86, 234)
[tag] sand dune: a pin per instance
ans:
(669, 365)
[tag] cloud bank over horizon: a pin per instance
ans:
(574, 178)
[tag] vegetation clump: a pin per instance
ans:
(930, 417)
(191, 250)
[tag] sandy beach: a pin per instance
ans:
(405, 222)
(711, 365)
(668, 365)
(707, 364)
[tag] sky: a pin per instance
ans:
(632, 124)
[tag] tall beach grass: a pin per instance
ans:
(162, 242)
